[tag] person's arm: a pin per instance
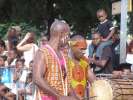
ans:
(112, 31)
(110, 35)
(22, 46)
(39, 69)
(8, 45)
(91, 76)
(104, 58)
(100, 63)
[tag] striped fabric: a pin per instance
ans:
(53, 73)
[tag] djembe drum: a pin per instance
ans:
(112, 89)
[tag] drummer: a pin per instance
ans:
(123, 69)
(79, 68)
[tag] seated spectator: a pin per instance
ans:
(122, 70)
(105, 28)
(101, 63)
(28, 47)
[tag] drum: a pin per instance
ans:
(113, 89)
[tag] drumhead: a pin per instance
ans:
(101, 90)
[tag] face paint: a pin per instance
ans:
(81, 44)
(64, 39)
(79, 48)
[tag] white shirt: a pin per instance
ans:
(29, 55)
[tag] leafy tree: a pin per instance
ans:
(80, 14)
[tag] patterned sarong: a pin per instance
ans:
(54, 75)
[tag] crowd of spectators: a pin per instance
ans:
(16, 59)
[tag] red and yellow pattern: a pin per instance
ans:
(78, 76)
(78, 73)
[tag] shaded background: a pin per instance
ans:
(39, 14)
(80, 14)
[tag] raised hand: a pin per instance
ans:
(27, 36)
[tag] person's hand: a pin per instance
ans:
(27, 36)
(117, 74)
(67, 98)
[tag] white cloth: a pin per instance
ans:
(29, 55)
(129, 58)
(12, 86)
(29, 86)
(23, 76)
(13, 63)
(14, 89)
(36, 94)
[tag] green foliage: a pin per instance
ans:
(4, 28)
(25, 27)
(80, 14)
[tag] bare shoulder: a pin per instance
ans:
(39, 59)
(40, 54)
